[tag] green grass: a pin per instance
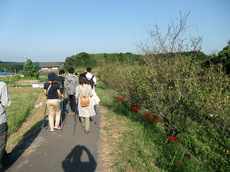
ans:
(143, 146)
(23, 100)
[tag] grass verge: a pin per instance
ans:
(23, 118)
(139, 145)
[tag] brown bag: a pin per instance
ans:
(84, 100)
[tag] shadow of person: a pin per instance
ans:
(80, 159)
(20, 148)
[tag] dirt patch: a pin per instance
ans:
(111, 130)
(26, 82)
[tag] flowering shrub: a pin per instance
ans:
(135, 108)
(173, 139)
(192, 102)
(147, 115)
(150, 117)
(187, 155)
(119, 98)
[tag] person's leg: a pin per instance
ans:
(3, 139)
(87, 121)
(71, 103)
(83, 122)
(96, 109)
(73, 106)
(57, 111)
(50, 110)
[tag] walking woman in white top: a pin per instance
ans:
(85, 112)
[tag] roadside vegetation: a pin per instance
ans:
(168, 107)
(187, 95)
(139, 143)
(23, 100)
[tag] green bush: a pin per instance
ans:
(193, 101)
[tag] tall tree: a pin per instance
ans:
(30, 69)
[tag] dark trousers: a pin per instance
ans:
(72, 102)
(3, 138)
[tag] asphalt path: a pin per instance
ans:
(58, 151)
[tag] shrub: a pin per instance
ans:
(193, 102)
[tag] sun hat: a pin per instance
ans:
(52, 76)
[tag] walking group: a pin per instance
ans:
(81, 95)
(82, 101)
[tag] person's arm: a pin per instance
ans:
(59, 93)
(91, 93)
(95, 80)
(45, 92)
(77, 94)
(5, 96)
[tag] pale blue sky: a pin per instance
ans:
(51, 30)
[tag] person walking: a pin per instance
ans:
(52, 91)
(61, 79)
(71, 82)
(5, 101)
(93, 82)
(85, 111)
(92, 78)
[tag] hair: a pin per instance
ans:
(61, 72)
(53, 82)
(83, 79)
(76, 73)
(88, 69)
(71, 70)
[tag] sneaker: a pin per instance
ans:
(51, 129)
(57, 127)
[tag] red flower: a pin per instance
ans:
(157, 119)
(173, 139)
(187, 155)
(139, 108)
(135, 108)
(177, 161)
(145, 113)
(125, 101)
(119, 98)
(150, 116)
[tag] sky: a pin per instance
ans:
(52, 30)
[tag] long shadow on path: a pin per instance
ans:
(80, 159)
(20, 148)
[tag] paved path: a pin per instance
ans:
(46, 151)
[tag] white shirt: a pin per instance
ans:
(89, 76)
(5, 101)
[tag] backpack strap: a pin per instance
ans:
(47, 91)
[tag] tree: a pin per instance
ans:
(30, 69)
(221, 60)
(174, 40)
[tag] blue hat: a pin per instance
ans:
(52, 76)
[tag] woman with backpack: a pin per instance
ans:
(52, 91)
(84, 95)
